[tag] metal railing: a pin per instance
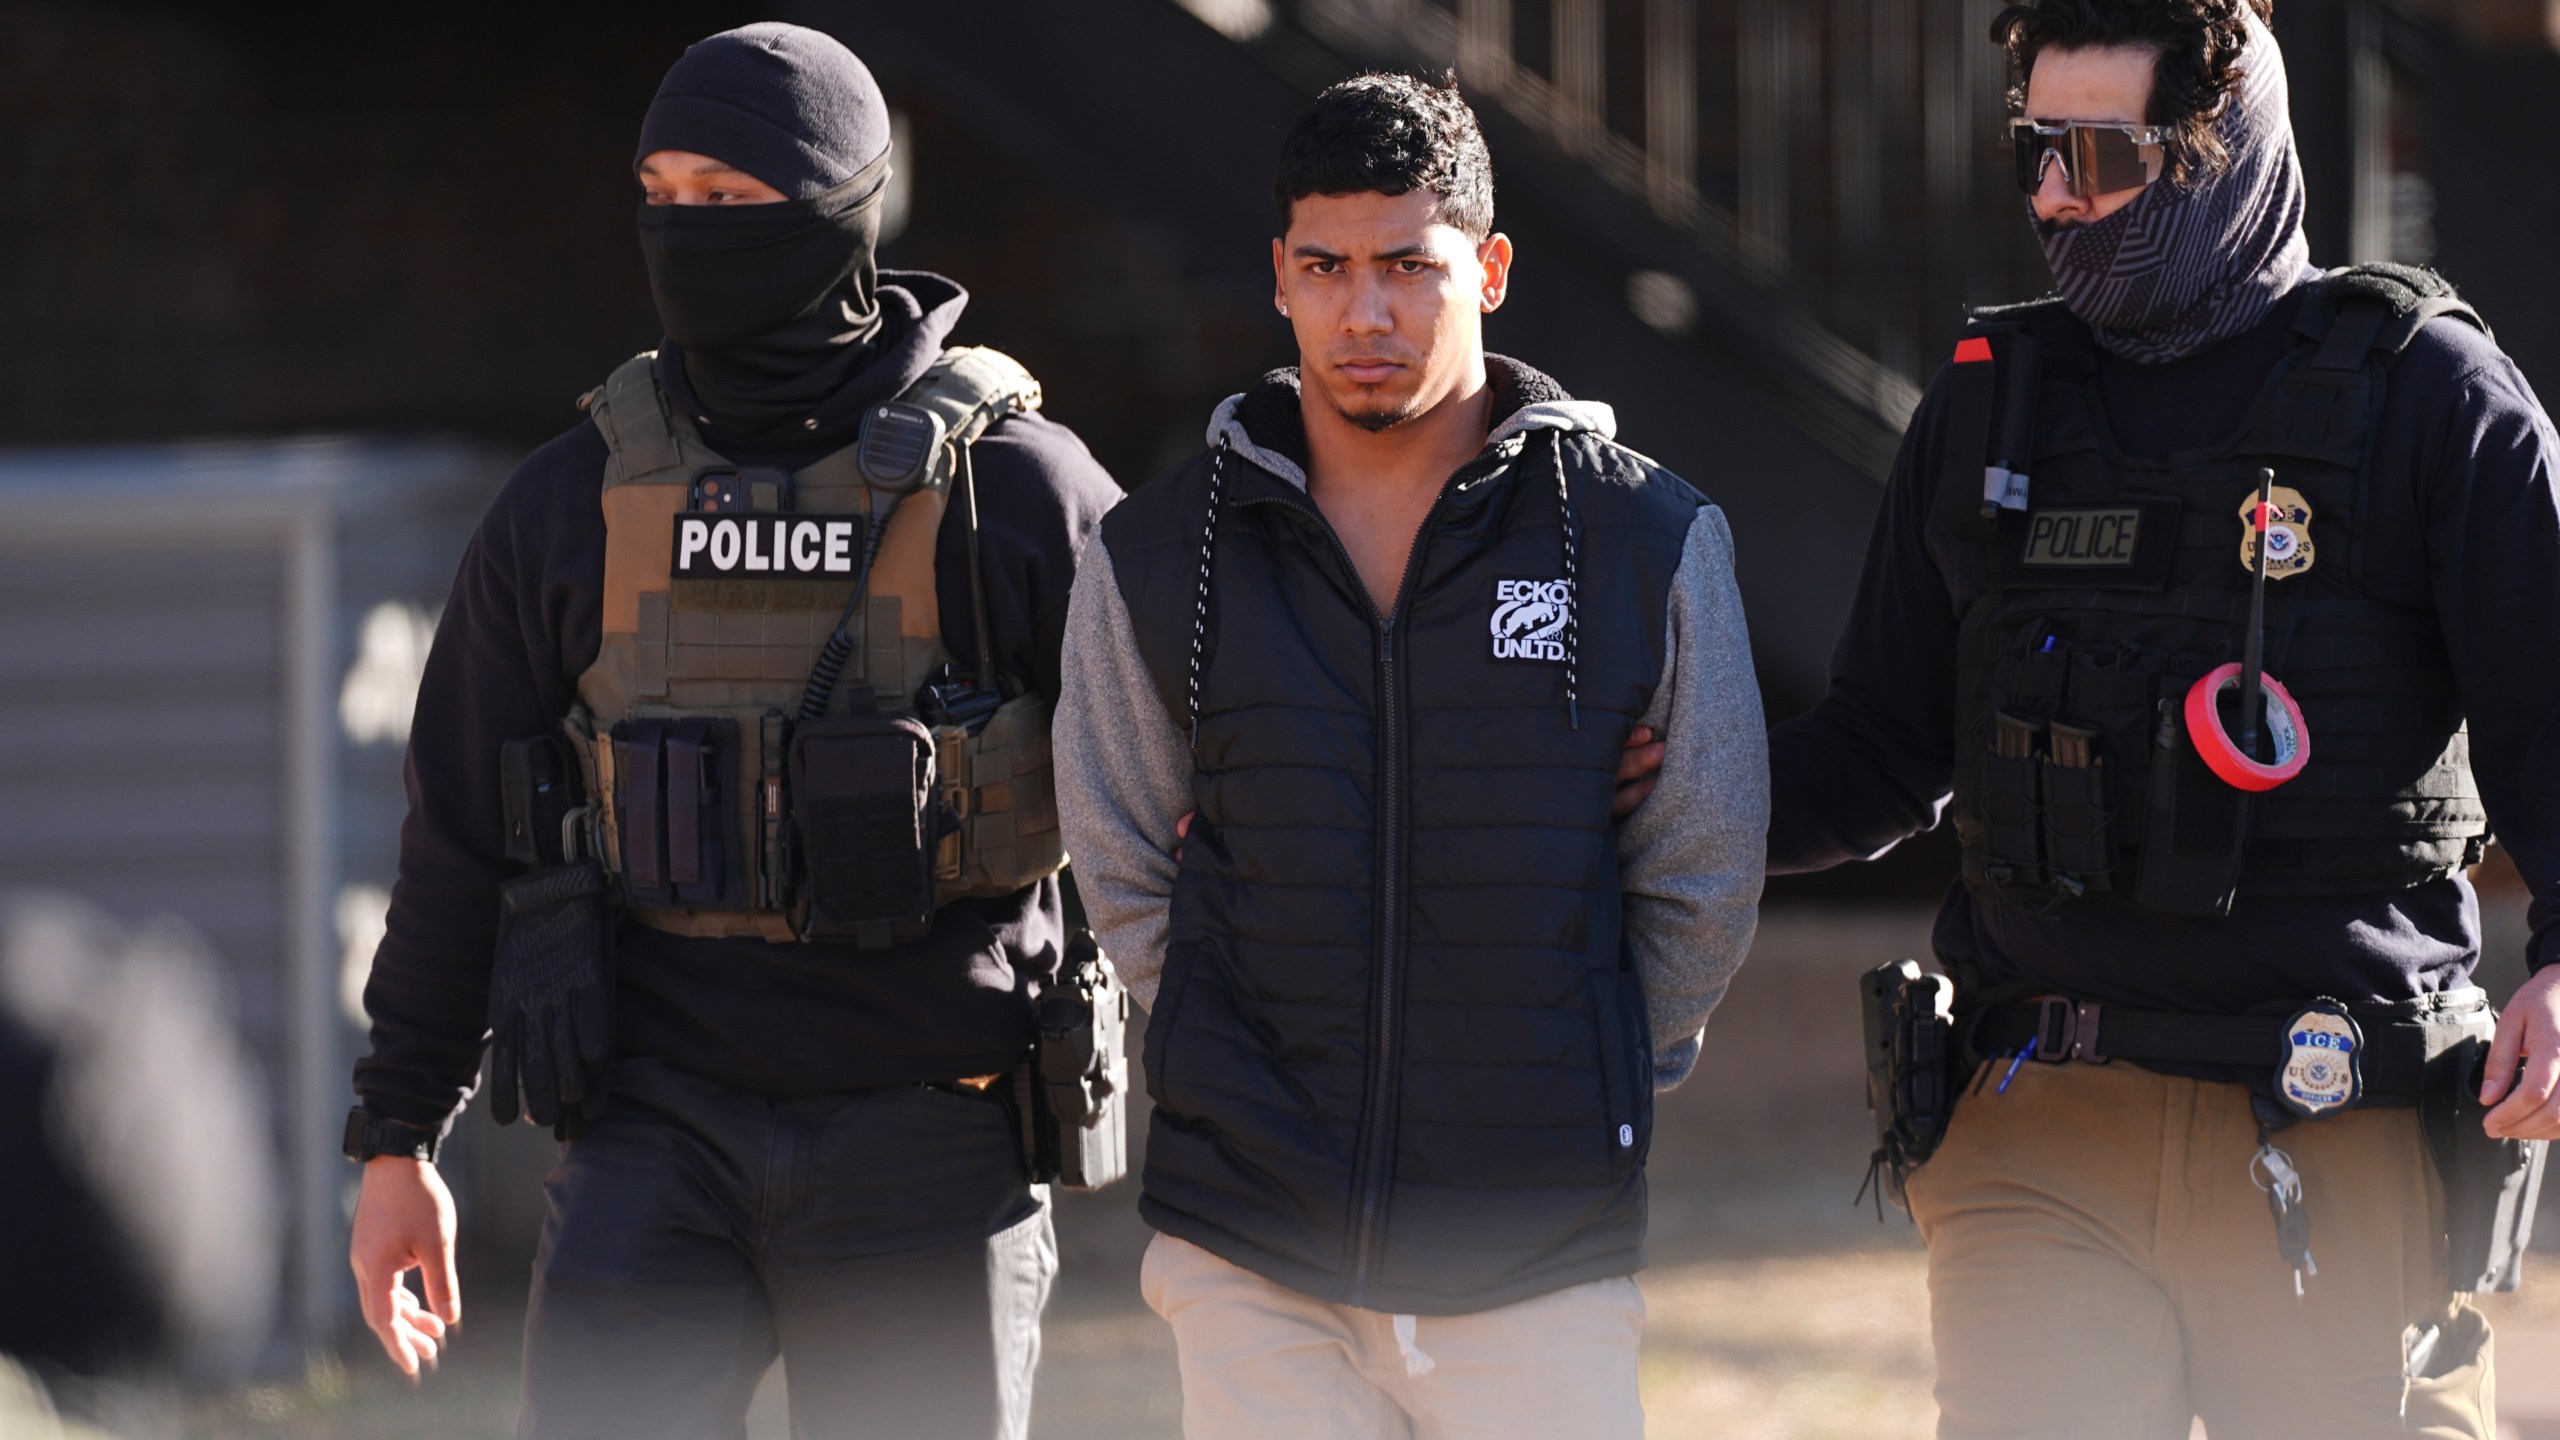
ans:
(1835, 171)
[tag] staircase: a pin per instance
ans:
(1750, 225)
(1765, 153)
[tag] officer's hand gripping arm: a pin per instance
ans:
(1639, 767)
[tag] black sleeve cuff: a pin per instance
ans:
(370, 1135)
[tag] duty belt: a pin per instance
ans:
(2402, 1042)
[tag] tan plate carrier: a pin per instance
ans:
(741, 649)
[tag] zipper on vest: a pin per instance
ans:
(1376, 1140)
(1376, 1128)
(1377, 1124)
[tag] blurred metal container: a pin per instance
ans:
(208, 655)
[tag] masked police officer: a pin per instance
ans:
(749, 882)
(2237, 1142)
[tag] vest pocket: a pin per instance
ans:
(2056, 795)
(864, 825)
(1181, 963)
(1625, 1044)
(672, 781)
(2013, 837)
(2197, 828)
(2078, 821)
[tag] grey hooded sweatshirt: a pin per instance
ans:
(1403, 928)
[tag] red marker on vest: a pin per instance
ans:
(1973, 350)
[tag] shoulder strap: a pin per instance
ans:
(1990, 424)
(2046, 311)
(646, 441)
(970, 388)
(2376, 310)
(2353, 323)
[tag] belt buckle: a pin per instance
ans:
(2067, 1029)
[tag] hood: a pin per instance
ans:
(1262, 424)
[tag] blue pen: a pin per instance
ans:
(2013, 1066)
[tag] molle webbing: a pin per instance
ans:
(2058, 664)
(730, 657)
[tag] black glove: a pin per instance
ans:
(551, 997)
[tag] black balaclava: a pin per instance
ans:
(2185, 267)
(772, 307)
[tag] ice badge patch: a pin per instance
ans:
(2288, 533)
(2323, 1066)
(1529, 619)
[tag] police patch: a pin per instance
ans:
(2107, 536)
(1529, 619)
(713, 546)
(2124, 544)
(2323, 1066)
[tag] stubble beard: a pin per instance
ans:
(1378, 421)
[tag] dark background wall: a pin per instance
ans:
(242, 218)
(231, 220)
(239, 219)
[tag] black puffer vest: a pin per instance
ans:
(1399, 1055)
(2123, 581)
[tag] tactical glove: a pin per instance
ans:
(551, 997)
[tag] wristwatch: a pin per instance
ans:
(369, 1135)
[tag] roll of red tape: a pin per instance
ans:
(2222, 755)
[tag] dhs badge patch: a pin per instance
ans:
(1529, 619)
(2288, 531)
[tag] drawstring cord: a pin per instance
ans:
(1200, 613)
(1572, 587)
(1572, 593)
(1416, 1363)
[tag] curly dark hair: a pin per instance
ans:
(1391, 133)
(2196, 47)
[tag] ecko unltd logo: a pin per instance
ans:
(1529, 619)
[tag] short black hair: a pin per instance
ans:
(2195, 45)
(1391, 133)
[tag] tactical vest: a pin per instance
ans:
(750, 731)
(2114, 583)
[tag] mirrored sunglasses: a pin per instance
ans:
(2097, 157)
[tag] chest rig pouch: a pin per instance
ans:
(777, 739)
(2110, 584)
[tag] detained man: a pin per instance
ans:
(1345, 706)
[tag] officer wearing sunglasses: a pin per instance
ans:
(2228, 1132)
(2092, 158)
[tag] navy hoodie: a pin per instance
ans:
(772, 1020)
(2465, 522)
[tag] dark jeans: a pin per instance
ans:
(884, 1243)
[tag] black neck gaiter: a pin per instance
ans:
(773, 306)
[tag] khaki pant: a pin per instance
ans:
(1262, 1362)
(2101, 1265)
